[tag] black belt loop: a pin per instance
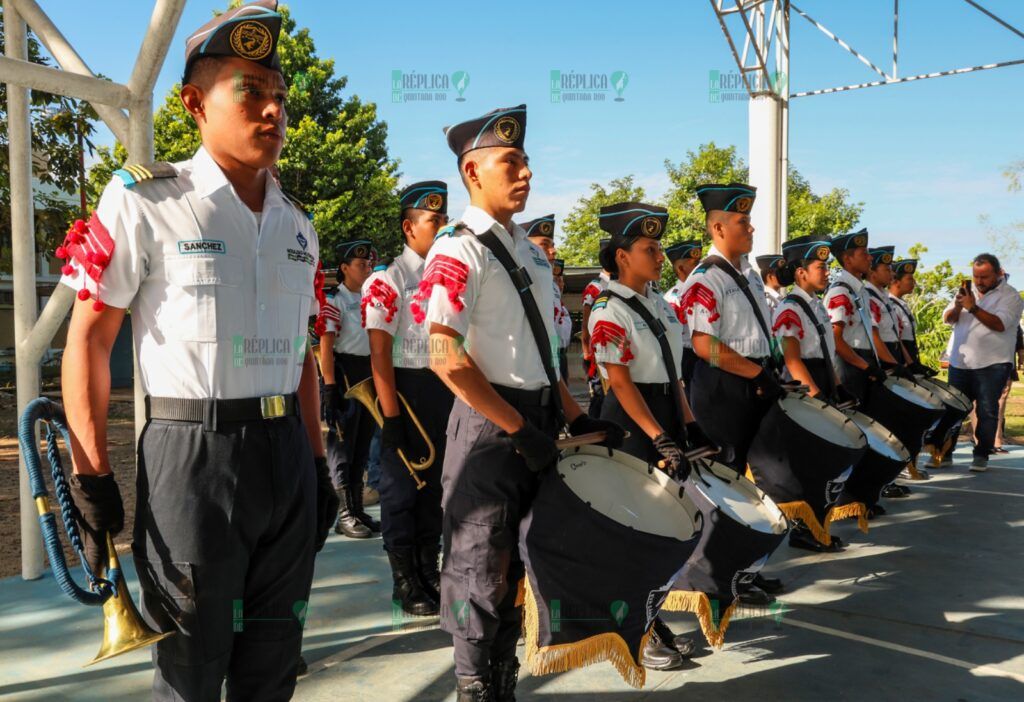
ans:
(209, 414)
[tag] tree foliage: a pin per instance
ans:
(580, 226)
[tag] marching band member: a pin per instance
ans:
(590, 294)
(563, 319)
(769, 266)
(877, 284)
(684, 257)
(495, 355)
(400, 359)
(901, 285)
(345, 357)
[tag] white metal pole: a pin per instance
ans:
(784, 127)
(23, 265)
(140, 150)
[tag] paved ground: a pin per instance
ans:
(928, 606)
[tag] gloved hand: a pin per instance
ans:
(585, 424)
(98, 510)
(675, 463)
(875, 373)
(920, 369)
(326, 502)
(332, 401)
(844, 396)
(695, 436)
(768, 386)
(392, 434)
(537, 448)
(903, 371)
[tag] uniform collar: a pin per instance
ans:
(846, 277)
(606, 277)
(627, 292)
(744, 263)
(411, 260)
(878, 291)
(208, 178)
(773, 293)
(480, 222)
(801, 293)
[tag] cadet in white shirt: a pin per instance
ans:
(541, 232)
(400, 357)
(345, 361)
(590, 294)
(769, 266)
(684, 257)
(510, 404)
(877, 285)
(984, 320)
(858, 345)
(901, 285)
(217, 266)
(563, 320)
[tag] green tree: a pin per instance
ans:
(61, 130)
(582, 232)
(335, 159)
(709, 164)
(820, 215)
(935, 288)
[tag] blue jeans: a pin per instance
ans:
(983, 386)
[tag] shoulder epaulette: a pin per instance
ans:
(298, 204)
(601, 301)
(136, 173)
(380, 267)
(451, 230)
(702, 268)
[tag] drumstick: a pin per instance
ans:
(595, 437)
(848, 404)
(796, 387)
(694, 454)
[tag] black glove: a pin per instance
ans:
(98, 510)
(674, 463)
(768, 386)
(332, 400)
(392, 434)
(537, 448)
(920, 369)
(844, 396)
(875, 373)
(897, 370)
(695, 436)
(326, 502)
(584, 424)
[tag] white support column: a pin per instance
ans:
(765, 150)
(140, 150)
(23, 260)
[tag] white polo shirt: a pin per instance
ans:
(220, 300)
(904, 318)
(975, 346)
(714, 304)
(387, 295)
(595, 288)
(791, 321)
(882, 313)
(563, 324)
(619, 335)
(842, 309)
(773, 298)
(470, 292)
(674, 298)
(343, 317)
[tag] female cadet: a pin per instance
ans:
(645, 396)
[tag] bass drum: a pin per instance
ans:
(955, 400)
(881, 463)
(602, 542)
(958, 406)
(743, 527)
(907, 408)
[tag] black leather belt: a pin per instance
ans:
(654, 388)
(211, 412)
(517, 397)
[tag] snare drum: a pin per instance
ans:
(743, 527)
(957, 405)
(602, 543)
(803, 444)
(881, 463)
(951, 397)
(906, 408)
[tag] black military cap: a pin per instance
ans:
(684, 249)
(633, 219)
(907, 265)
(881, 255)
(356, 248)
(505, 126)
(429, 195)
(542, 226)
(249, 32)
(731, 197)
(770, 262)
(804, 248)
(558, 266)
(847, 242)
(602, 244)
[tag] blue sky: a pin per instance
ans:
(926, 158)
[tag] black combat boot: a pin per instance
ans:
(407, 590)
(357, 504)
(472, 690)
(426, 565)
(504, 675)
(347, 524)
(660, 655)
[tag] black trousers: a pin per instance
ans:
(563, 364)
(686, 369)
(661, 404)
(410, 517)
(223, 545)
(728, 410)
(487, 491)
(349, 432)
(854, 379)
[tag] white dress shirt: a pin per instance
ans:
(791, 321)
(842, 309)
(674, 298)
(387, 296)
(974, 345)
(882, 314)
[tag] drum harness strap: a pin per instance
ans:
(830, 371)
(744, 285)
(521, 282)
(910, 317)
(892, 317)
(863, 318)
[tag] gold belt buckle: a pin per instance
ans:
(272, 406)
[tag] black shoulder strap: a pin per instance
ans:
(744, 286)
(830, 370)
(865, 322)
(297, 203)
(910, 318)
(659, 331)
(521, 281)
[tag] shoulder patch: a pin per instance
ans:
(703, 268)
(451, 230)
(601, 301)
(133, 174)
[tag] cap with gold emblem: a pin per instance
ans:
(558, 266)
(848, 242)
(429, 195)
(770, 262)
(542, 226)
(907, 265)
(249, 32)
(881, 256)
(806, 248)
(684, 249)
(733, 197)
(356, 248)
(505, 126)
(633, 219)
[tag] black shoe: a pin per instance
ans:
(802, 538)
(472, 690)
(407, 591)
(347, 524)
(302, 668)
(838, 543)
(755, 597)
(769, 585)
(357, 508)
(875, 511)
(427, 568)
(892, 490)
(658, 655)
(683, 644)
(504, 675)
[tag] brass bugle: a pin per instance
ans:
(365, 392)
